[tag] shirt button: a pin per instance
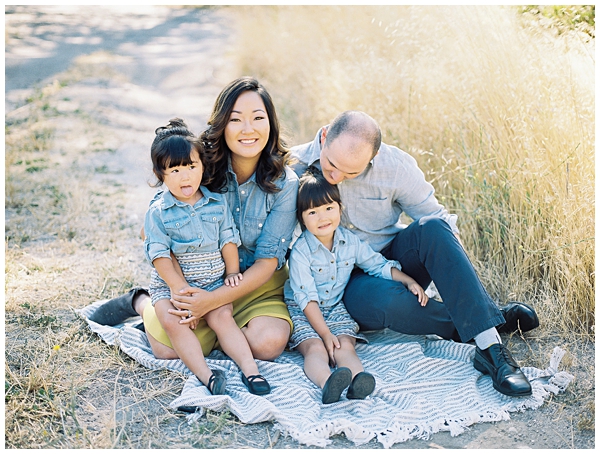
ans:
(193, 214)
(240, 260)
(351, 226)
(302, 287)
(260, 225)
(332, 261)
(327, 291)
(177, 224)
(283, 240)
(322, 303)
(333, 278)
(243, 192)
(237, 209)
(214, 219)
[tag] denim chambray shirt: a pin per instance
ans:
(171, 225)
(391, 184)
(265, 221)
(317, 274)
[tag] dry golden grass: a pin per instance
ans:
(498, 111)
(69, 240)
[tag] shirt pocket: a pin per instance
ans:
(372, 213)
(210, 223)
(344, 269)
(252, 229)
(322, 274)
(180, 229)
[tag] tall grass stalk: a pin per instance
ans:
(499, 114)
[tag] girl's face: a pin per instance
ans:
(322, 221)
(247, 131)
(184, 181)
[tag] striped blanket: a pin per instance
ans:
(424, 385)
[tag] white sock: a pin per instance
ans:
(487, 338)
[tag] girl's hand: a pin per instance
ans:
(233, 279)
(331, 343)
(417, 290)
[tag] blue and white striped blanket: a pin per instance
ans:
(423, 386)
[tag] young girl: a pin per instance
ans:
(196, 225)
(320, 264)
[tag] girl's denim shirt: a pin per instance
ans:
(317, 274)
(171, 225)
(265, 221)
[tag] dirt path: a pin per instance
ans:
(135, 68)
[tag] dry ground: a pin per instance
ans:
(84, 91)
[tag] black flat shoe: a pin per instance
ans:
(518, 316)
(217, 382)
(256, 384)
(362, 385)
(117, 310)
(339, 380)
(507, 377)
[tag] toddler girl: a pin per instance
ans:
(320, 264)
(195, 226)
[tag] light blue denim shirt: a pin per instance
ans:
(171, 225)
(391, 184)
(265, 221)
(317, 274)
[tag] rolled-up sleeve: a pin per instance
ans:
(276, 235)
(157, 243)
(302, 282)
(419, 200)
(228, 232)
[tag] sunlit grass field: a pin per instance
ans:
(495, 104)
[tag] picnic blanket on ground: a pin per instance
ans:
(424, 385)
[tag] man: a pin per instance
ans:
(377, 183)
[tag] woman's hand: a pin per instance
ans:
(331, 343)
(188, 304)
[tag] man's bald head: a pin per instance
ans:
(358, 125)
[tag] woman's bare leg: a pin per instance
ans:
(267, 336)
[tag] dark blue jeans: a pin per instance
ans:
(427, 251)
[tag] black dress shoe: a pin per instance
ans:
(117, 310)
(256, 384)
(518, 316)
(507, 378)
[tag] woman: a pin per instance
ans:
(248, 159)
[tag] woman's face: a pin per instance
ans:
(247, 131)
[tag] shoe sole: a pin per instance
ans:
(336, 383)
(527, 326)
(362, 385)
(481, 367)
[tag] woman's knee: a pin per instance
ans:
(222, 316)
(267, 337)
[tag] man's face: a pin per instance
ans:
(339, 164)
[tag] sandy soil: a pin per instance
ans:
(173, 62)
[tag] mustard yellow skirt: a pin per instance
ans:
(264, 301)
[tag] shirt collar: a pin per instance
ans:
(314, 244)
(234, 176)
(169, 199)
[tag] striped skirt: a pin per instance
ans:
(201, 269)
